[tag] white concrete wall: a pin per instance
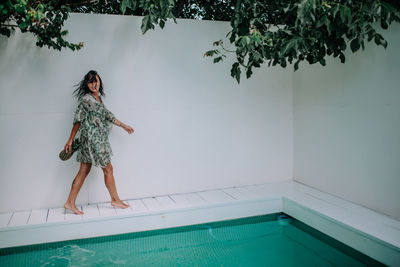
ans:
(196, 128)
(347, 126)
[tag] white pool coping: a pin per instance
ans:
(372, 233)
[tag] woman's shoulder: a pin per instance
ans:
(87, 102)
(85, 98)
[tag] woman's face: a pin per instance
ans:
(94, 85)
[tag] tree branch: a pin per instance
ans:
(179, 7)
(10, 25)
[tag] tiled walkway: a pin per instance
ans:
(137, 206)
(372, 233)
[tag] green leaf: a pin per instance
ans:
(289, 46)
(283, 62)
(217, 59)
(355, 44)
(210, 53)
(235, 71)
(146, 24)
(384, 24)
(335, 10)
(162, 24)
(328, 26)
(321, 21)
(345, 14)
(245, 40)
(257, 56)
(23, 25)
(124, 5)
(249, 72)
(237, 76)
(306, 10)
(296, 65)
(233, 37)
(384, 43)
(342, 57)
(301, 10)
(379, 40)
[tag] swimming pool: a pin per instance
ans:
(268, 240)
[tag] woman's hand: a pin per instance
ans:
(129, 129)
(68, 146)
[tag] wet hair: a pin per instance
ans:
(83, 88)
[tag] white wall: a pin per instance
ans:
(347, 126)
(196, 128)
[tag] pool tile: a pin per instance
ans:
(38, 216)
(233, 193)
(106, 209)
(195, 199)
(126, 211)
(90, 211)
(5, 218)
(248, 193)
(137, 206)
(166, 202)
(56, 215)
(152, 204)
(215, 196)
(19, 218)
(71, 216)
(181, 201)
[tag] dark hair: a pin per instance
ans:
(83, 88)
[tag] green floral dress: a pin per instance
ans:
(95, 125)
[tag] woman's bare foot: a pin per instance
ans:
(72, 208)
(119, 204)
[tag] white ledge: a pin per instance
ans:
(372, 233)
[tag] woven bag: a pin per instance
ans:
(75, 146)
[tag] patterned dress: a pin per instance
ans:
(95, 125)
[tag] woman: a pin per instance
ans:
(94, 121)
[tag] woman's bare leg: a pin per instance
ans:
(76, 186)
(112, 189)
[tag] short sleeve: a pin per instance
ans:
(80, 112)
(110, 116)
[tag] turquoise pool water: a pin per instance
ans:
(268, 240)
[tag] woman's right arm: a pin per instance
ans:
(74, 130)
(80, 114)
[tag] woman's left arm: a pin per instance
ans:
(127, 128)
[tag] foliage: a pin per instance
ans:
(41, 19)
(98, 7)
(276, 32)
(221, 10)
(156, 11)
(283, 32)
(187, 9)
